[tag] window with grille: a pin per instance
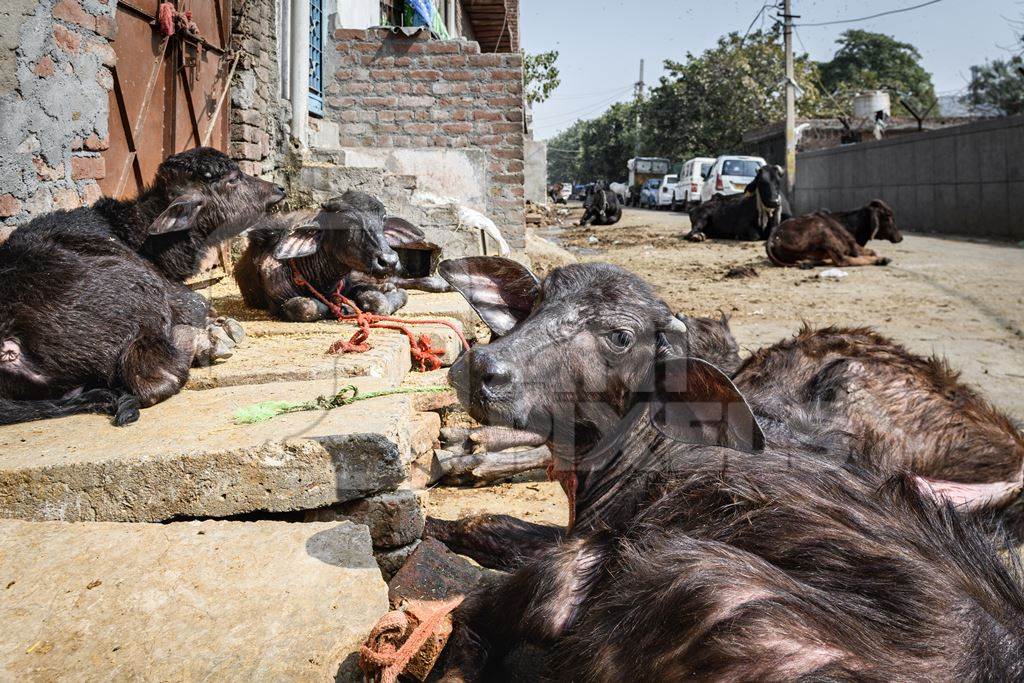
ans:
(316, 57)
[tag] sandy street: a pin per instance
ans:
(959, 299)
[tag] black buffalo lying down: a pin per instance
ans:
(601, 207)
(748, 216)
(700, 548)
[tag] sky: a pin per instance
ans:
(601, 42)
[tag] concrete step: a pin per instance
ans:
(186, 601)
(187, 458)
(284, 352)
(451, 305)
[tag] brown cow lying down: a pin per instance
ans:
(820, 238)
(698, 552)
(914, 413)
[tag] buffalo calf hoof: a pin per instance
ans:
(884, 261)
(216, 342)
(696, 237)
(301, 309)
(375, 302)
(232, 328)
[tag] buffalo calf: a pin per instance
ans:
(349, 245)
(91, 318)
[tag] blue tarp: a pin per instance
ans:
(424, 10)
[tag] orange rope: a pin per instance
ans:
(423, 353)
(380, 660)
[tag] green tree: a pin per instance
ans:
(705, 104)
(998, 84)
(541, 76)
(869, 61)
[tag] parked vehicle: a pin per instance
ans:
(649, 193)
(642, 169)
(666, 191)
(692, 177)
(730, 174)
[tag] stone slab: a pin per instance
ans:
(390, 560)
(395, 518)
(433, 572)
(280, 354)
(190, 601)
(448, 305)
(186, 457)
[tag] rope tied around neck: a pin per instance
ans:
(423, 353)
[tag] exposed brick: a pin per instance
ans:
(106, 27)
(349, 34)
(457, 128)
(66, 199)
(83, 168)
(90, 193)
(72, 12)
(44, 67)
(9, 205)
(67, 40)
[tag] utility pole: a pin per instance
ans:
(788, 16)
(639, 101)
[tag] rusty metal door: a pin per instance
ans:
(169, 92)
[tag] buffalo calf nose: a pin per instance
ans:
(495, 376)
(387, 262)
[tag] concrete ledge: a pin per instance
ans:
(186, 601)
(186, 457)
(286, 352)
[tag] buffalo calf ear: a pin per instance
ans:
(695, 402)
(400, 232)
(180, 215)
(500, 290)
(302, 241)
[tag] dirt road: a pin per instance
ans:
(959, 299)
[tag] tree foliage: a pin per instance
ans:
(999, 84)
(875, 61)
(705, 104)
(541, 76)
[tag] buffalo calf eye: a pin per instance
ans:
(621, 339)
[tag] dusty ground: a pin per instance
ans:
(963, 300)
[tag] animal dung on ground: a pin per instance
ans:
(744, 271)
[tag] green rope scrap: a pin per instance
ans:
(268, 410)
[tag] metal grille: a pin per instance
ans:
(316, 57)
(390, 12)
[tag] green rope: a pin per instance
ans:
(268, 410)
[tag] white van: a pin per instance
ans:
(730, 174)
(687, 191)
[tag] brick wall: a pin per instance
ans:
(389, 92)
(55, 59)
(258, 114)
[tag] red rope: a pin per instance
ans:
(381, 659)
(423, 353)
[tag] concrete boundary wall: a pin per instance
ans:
(965, 180)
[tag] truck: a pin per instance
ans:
(642, 169)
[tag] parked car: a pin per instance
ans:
(666, 191)
(649, 193)
(730, 174)
(687, 192)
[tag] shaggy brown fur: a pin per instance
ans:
(914, 412)
(720, 564)
(817, 239)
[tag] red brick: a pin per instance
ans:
(487, 115)
(423, 74)
(66, 199)
(69, 41)
(44, 67)
(83, 168)
(442, 47)
(72, 12)
(91, 193)
(420, 128)
(457, 128)
(106, 27)
(9, 205)
(349, 34)
(460, 75)
(506, 127)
